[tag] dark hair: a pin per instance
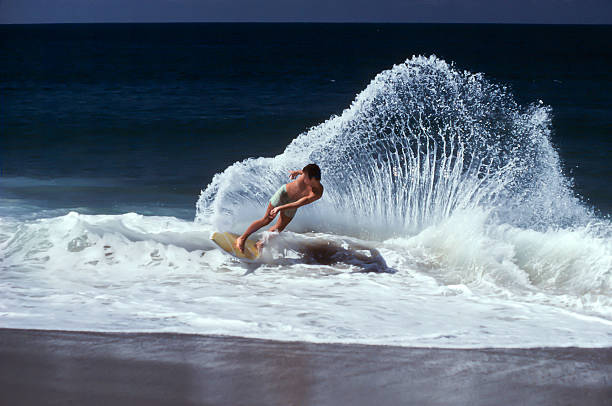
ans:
(313, 171)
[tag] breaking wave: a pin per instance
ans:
(422, 141)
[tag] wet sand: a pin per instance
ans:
(60, 368)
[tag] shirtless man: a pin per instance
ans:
(304, 190)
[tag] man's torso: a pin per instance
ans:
(296, 190)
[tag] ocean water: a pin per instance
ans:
(466, 172)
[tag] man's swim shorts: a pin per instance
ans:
(281, 198)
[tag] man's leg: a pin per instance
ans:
(282, 222)
(256, 225)
(280, 225)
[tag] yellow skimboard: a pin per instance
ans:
(227, 242)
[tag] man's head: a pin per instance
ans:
(312, 171)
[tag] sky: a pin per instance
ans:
(416, 11)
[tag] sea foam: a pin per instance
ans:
(446, 221)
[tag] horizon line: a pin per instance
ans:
(300, 22)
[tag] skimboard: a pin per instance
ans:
(226, 241)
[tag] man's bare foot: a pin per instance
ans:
(259, 245)
(240, 244)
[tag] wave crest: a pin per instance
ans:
(420, 142)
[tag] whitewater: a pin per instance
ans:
(446, 222)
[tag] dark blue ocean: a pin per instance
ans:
(466, 170)
(110, 118)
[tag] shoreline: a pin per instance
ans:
(60, 367)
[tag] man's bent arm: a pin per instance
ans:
(295, 174)
(300, 202)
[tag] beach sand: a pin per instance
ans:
(82, 368)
